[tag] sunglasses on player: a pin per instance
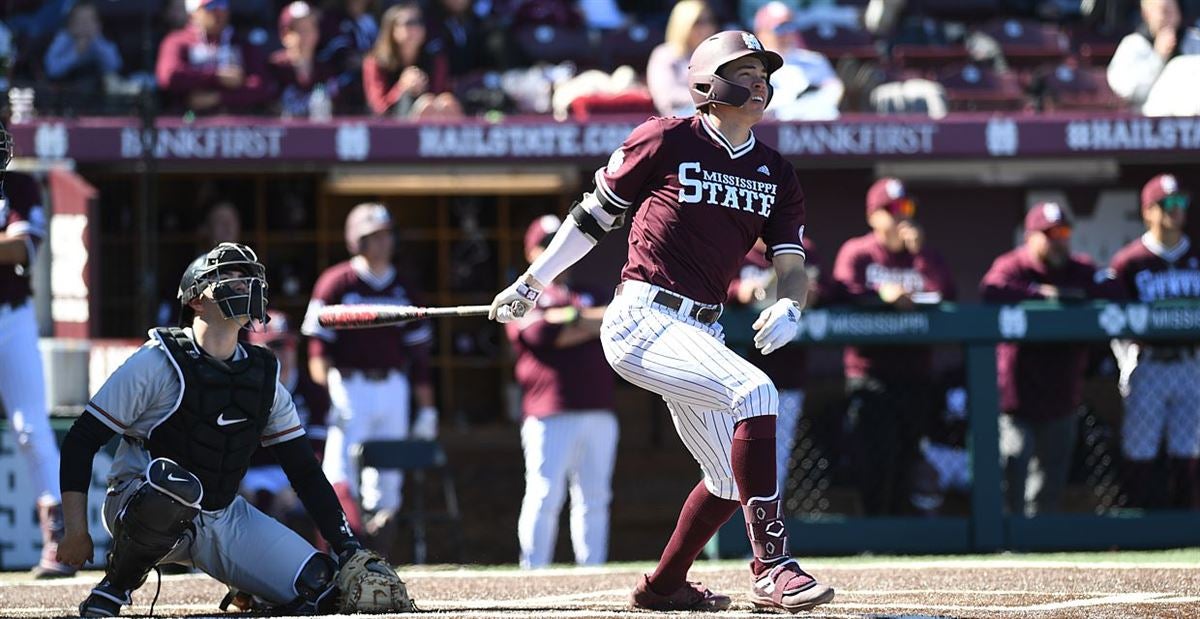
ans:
(1175, 202)
(1059, 233)
(903, 208)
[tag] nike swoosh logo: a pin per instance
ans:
(172, 477)
(222, 421)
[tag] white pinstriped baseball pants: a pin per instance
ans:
(707, 387)
(23, 391)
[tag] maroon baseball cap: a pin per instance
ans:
(886, 192)
(1158, 188)
(277, 330)
(540, 231)
(290, 13)
(1044, 216)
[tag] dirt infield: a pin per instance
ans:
(865, 588)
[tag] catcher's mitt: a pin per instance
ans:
(369, 585)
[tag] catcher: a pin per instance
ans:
(191, 406)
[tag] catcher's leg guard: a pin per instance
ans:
(148, 527)
(315, 587)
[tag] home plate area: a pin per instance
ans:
(903, 588)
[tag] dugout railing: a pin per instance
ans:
(985, 526)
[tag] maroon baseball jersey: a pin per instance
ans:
(21, 214)
(1038, 381)
(703, 204)
(863, 264)
(788, 366)
(557, 379)
(1148, 272)
(394, 347)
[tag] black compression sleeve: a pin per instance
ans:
(86, 436)
(304, 472)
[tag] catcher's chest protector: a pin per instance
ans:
(220, 419)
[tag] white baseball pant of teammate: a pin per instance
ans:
(1161, 398)
(707, 387)
(23, 392)
(360, 410)
(581, 446)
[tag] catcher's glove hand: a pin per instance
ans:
(369, 585)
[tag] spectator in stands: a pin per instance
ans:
(348, 30)
(806, 87)
(1041, 385)
(691, 22)
(455, 31)
(890, 388)
(400, 76)
(1141, 70)
(80, 56)
(208, 67)
(294, 69)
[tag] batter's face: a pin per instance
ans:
(750, 73)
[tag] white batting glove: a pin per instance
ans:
(425, 427)
(514, 301)
(777, 325)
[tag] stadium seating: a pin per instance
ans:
(975, 87)
(1027, 43)
(836, 42)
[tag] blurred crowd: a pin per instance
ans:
(575, 58)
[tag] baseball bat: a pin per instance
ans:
(366, 316)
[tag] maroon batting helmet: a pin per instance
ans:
(715, 52)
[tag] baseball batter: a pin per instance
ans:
(192, 405)
(22, 384)
(706, 191)
(368, 371)
(1160, 381)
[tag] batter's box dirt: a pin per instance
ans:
(866, 587)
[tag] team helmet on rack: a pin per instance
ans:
(720, 49)
(231, 275)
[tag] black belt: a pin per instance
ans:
(704, 314)
(371, 374)
(1168, 354)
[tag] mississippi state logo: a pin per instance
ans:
(615, 161)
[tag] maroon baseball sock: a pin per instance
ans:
(701, 516)
(753, 457)
(753, 460)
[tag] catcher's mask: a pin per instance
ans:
(6, 153)
(720, 49)
(233, 278)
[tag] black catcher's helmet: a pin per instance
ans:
(6, 148)
(231, 275)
